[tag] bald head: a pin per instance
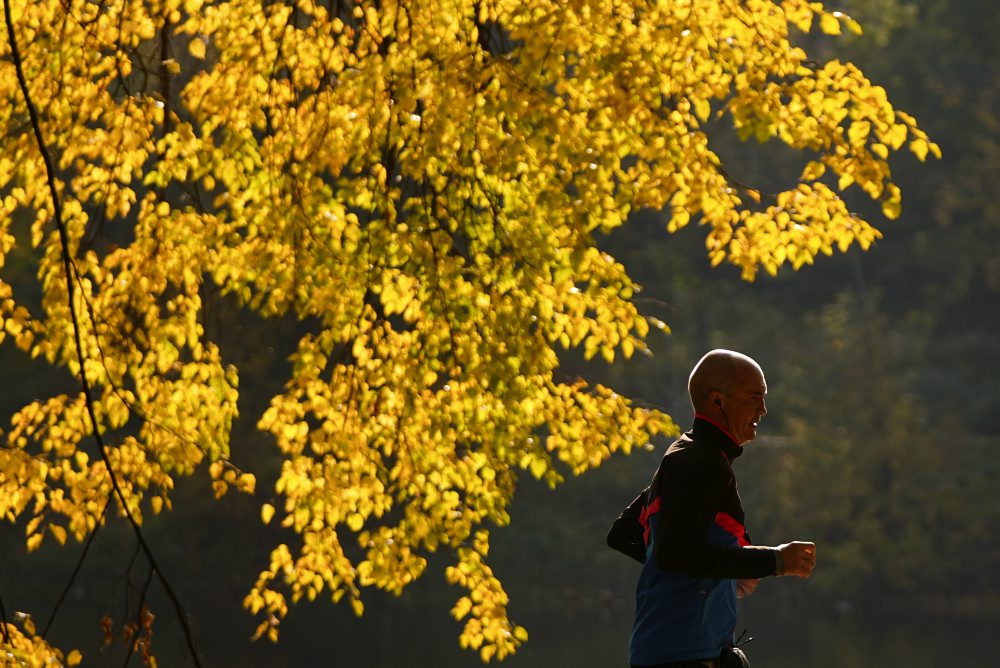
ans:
(719, 371)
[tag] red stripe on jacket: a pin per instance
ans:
(732, 527)
(647, 512)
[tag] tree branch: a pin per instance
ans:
(76, 570)
(77, 328)
(3, 623)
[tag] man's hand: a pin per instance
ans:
(798, 558)
(746, 586)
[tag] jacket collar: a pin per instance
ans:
(712, 434)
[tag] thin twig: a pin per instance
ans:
(3, 623)
(76, 570)
(134, 639)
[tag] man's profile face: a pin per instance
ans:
(744, 403)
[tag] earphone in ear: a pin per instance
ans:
(718, 402)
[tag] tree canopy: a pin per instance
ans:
(421, 186)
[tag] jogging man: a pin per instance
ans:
(687, 528)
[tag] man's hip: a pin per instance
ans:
(694, 663)
(732, 657)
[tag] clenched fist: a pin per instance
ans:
(798, 558)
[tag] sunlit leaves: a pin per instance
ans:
(420, 184)
(487, 628)
(20, 645)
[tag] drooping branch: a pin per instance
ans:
(68, 268)
(76, 571)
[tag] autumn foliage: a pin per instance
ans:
(420, 183)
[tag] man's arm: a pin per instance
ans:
(692, 498)
(626, 533)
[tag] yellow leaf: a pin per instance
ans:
(892, 204)
(858, 132)
(266, 513)
(246, 482)
(679, 219)
(628, 347)
(33, 524)
(896, 136)
(74, 658)
(34, 541)
(59, 533)
(813, 170)
(892, 209)
(357, 606)
(829, 24)
(702, 109)
(196, 47)
(461, 608)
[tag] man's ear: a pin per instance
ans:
(715, 397)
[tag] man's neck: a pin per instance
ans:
(714, 423)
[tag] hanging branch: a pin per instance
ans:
(76, 570)
(70, 290)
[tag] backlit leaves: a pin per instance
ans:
(26, 648)
(421, 184)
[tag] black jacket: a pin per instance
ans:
(692, 496)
